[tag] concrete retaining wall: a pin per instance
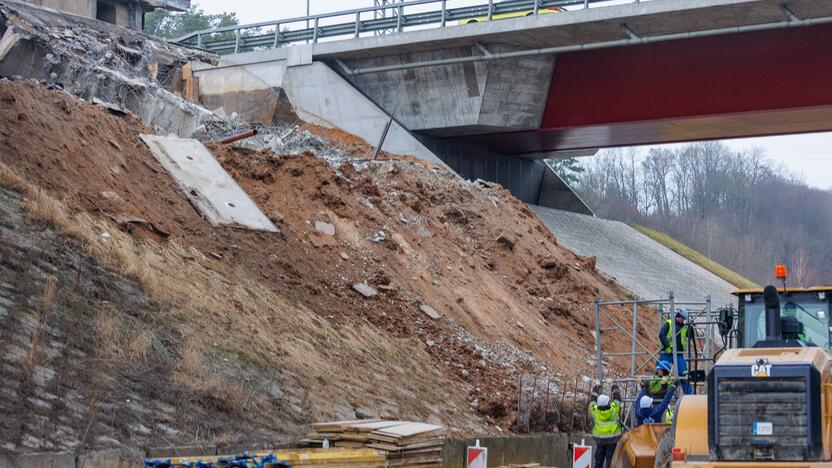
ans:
(102, 459)
(545, 449)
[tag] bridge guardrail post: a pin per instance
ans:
(490, 10)
(357, 23)
(236, 41)
(315, 31)
(444, 11)
(399, 18)
(536, 7)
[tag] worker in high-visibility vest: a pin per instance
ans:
(606, 424)
(660, 381)
(682, 331)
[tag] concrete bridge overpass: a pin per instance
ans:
(493, 98)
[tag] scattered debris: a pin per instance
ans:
(547, 263)
(238, 137)
(505, 241)
(325, 228)
(365, 289)
(430, 312)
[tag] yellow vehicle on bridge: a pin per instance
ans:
(513, 14)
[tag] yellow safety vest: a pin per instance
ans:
(668, 416)
(655, 386)
(606, 423)
(683, 331)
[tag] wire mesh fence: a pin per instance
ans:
(548, 403)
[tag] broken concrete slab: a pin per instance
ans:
(206, 184)
(95, 60)
(430, 312)
(365, 289)
(325, 228)
(7, 42)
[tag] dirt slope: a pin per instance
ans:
(274, 317)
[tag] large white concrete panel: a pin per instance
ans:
(206, 184)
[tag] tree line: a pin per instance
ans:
(735, 207)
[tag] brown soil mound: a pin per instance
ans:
(513, 301)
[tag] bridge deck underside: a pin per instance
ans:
(750, 84)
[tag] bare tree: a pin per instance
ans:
(734, 207)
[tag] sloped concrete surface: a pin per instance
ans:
(322, 97)
(206, 184)
(640, 264)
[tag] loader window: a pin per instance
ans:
(802, 315)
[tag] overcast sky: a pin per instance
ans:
(808, 155)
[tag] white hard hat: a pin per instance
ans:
(682, 313)
(603, 400)
(645, 402)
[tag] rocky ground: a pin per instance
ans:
(130, 320)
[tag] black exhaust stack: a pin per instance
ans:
(773, 323)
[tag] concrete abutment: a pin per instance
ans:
(425, 108)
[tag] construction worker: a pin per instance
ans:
(606, 424)
(665, 338)
(657, 385)
(647, 414)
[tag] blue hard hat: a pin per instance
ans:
(663, 365)
(682, 313)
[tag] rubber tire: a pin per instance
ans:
(664, 452)
(472, 22)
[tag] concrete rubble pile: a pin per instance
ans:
(128, 71)
(102, 63)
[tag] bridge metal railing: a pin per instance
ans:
(353, 23)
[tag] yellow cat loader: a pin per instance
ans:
(769, 399)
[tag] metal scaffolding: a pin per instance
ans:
(702, 347)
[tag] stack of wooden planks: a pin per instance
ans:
(406, 443)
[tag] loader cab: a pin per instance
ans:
(804, 316)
